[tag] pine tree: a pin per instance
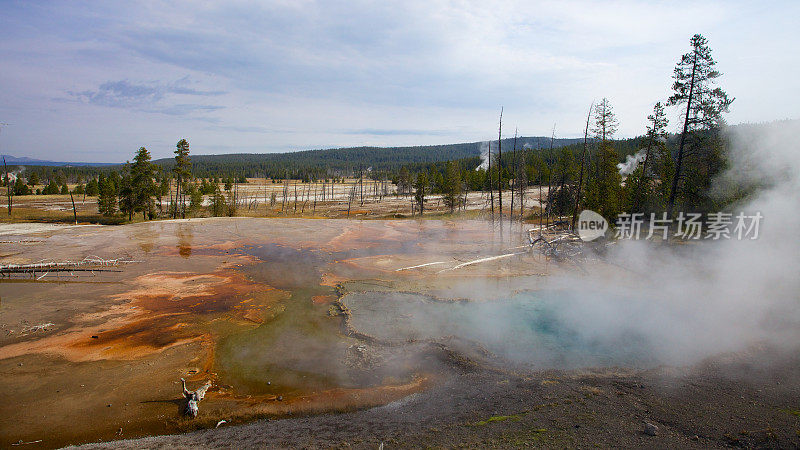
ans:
(403, 181)
(195, 198)
(694, 76)
(452, 186)
(92, 187)
(51, 189)
(420, 189)
(638, 183)
(605, 121)
(603, 193)
(142, 185)
(107, 197)
(182, 172)
(563, 176)
(20, 188)
(125, 193)
(219, 206)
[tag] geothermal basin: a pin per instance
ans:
(251, 304)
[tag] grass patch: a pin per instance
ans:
(514, 417)
(794, 412)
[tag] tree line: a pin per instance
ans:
(671, 170)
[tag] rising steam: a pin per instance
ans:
(631, 163)
(485, 148)
(679, 305)
(655, 304)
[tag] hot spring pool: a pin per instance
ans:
(545, 329)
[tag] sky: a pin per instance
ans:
(94, 81)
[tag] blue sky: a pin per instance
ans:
(93, 81)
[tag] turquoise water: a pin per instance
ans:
(541, 328)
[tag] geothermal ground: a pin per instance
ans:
(347, 333)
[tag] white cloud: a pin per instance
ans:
(306, 72)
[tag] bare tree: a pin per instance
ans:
(500, 165)
(583, 162)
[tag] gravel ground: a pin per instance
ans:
(745, 400)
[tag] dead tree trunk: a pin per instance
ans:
(74, 211)
(9, 194)
(350, 198)
(549, 176)
(491, 182)
(514, 171)
(500, 165)
(583, 159)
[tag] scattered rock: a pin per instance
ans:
(650, 429)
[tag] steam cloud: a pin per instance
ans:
(12, 176)
(663, 304)
(719, 296)
(485, 147)
(631, 163)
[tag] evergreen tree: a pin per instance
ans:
(107, 196)
(219, 206)
(142, 185)
(605, 121)
(603, 192)
(20, 188)
(92, 187)
(33, 179)
(420, 189)
(61, 179)
(640, 189)
(127, 200)
(694, 75)
(182, 170)
(403, 181)
(50, 189)
(564, 175)
(452, 186)
(195, 198)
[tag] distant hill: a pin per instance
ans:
(350, 159)
(25, 161)
(318, 163)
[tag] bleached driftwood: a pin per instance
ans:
(88, 264)
(561, 245)
(193, 397)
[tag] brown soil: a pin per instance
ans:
(747, 400)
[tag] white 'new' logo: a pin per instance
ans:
(591, 225)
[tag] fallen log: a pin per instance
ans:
(88, 264)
